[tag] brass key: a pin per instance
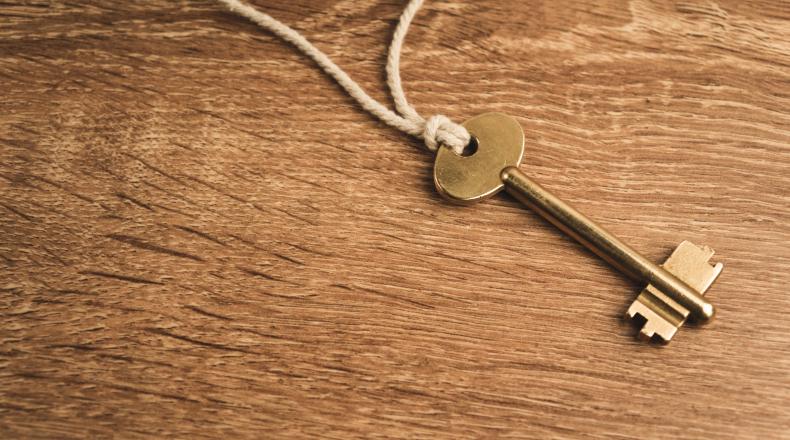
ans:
(669, 297)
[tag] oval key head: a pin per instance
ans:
(470, 179)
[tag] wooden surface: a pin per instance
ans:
(204, 237)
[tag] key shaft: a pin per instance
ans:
(603, 243)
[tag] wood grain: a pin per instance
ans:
(203, 237)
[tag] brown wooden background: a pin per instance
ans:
(203, 237)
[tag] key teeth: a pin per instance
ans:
(662, 316)
(654, 327)
(644, 335)
(649, 333)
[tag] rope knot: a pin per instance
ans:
(440, 130)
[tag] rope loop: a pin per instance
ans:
(435, 131)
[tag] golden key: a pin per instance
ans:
(674, 290)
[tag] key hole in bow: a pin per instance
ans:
(471, 147)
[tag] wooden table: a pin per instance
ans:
(204, 237)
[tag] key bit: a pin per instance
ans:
(663, 316)
(674, 291)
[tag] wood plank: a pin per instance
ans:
(203, 236)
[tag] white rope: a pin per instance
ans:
(436, 130)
